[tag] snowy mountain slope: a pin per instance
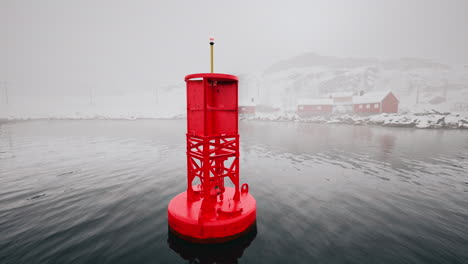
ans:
(418, 83)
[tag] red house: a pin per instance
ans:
(376, 102)
(307, 107)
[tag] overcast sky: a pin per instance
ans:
(63, 45)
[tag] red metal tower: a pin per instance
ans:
(211, 211)
(212, 138)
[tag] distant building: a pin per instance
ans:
(314, 106)
(247, 109)
(344, 103)
(341, 98)
(376, 102)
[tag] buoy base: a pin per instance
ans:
(228, 252)
(229, 219)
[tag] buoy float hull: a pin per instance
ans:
(228, 221)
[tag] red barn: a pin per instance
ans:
(307, 107)
(376, 102)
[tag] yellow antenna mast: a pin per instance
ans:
(211, 53)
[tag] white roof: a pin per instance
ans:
(315, 101)
(370, 97)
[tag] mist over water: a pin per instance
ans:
(97, 191)
(92, 129)
(119, 59)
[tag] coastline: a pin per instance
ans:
(420, 120)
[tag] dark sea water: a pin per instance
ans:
(97, 191)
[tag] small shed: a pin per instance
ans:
(314, 106)
(376, 102)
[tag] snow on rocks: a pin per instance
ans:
(420, 119)
(426, 119)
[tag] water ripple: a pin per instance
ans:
(97, 191)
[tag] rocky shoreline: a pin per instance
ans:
(427, 119)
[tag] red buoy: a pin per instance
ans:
(211, 211)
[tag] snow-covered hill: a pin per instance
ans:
(419, 84)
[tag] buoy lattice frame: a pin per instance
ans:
(210, 211)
